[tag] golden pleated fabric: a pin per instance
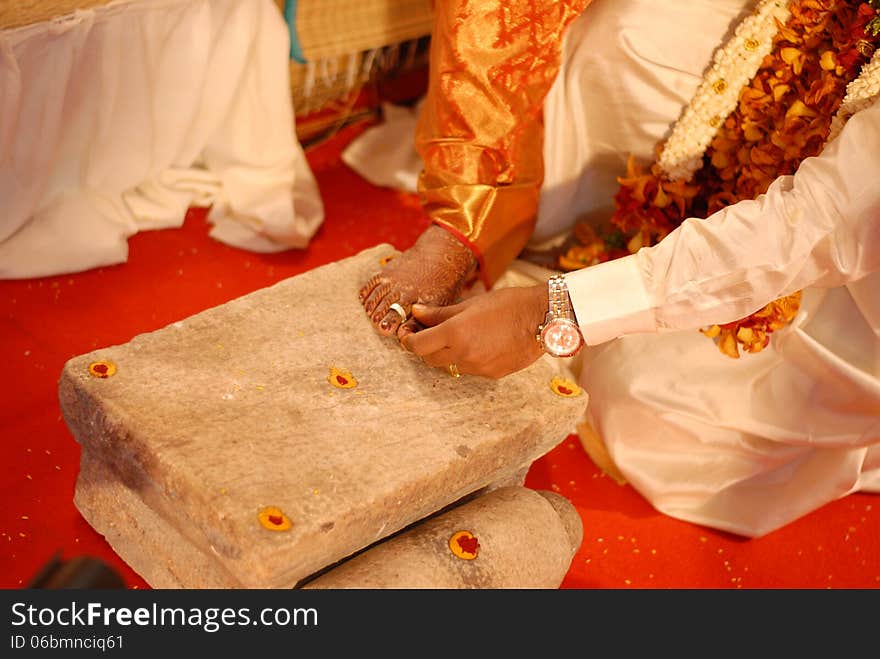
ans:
(480, 134)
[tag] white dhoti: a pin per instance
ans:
(743, 445)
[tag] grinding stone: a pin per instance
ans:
(212, 419)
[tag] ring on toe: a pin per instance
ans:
(400, 311)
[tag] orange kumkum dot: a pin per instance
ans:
(341, 378)
(102, 369)
(564, 387)
(274, 519)
(464, 545)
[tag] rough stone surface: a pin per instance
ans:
(526, 540)
(208, 421)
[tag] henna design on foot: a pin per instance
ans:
(433, 271)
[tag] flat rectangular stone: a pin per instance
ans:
(209, 421)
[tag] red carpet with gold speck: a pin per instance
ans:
(172, 274)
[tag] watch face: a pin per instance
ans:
(561, 338)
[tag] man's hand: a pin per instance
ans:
(491, 334)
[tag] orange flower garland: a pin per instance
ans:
(782, 117)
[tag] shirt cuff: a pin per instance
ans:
(610, 300)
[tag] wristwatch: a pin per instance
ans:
(559, 334)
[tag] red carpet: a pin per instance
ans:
(173, 274)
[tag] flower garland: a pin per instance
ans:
(775, 94)
(860, 93)
(732, 68)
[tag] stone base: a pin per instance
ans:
(207, 423)
(522, 538)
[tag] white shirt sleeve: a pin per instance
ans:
(819, 227)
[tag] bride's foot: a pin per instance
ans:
(433, 271)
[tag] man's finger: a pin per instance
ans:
(429, 315)
(409, 327)
(426, 342)
(440, 359)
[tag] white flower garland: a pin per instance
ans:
(860, 93)
(733, 66)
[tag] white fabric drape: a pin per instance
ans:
(116, 119)
(743, 445)
(629, 70)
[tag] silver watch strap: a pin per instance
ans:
(560, 302)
